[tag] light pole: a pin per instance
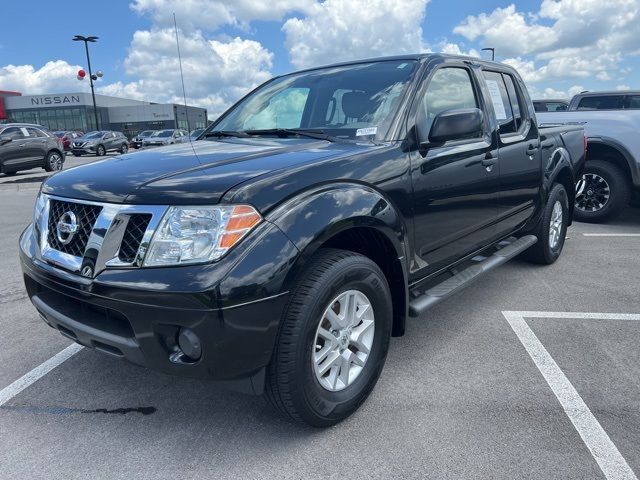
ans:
(493, 52)
(86, 40)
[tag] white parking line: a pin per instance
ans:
(611, 234)
(37, 373)
(603, 450)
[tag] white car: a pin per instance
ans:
(165, 137)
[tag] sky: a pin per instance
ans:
(560, 47)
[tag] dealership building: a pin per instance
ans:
(74, 111)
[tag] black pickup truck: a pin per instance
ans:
(280, 251)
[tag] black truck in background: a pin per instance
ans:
(280, 251)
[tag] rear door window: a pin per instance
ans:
(633, 101)
(501, 102)
(601, 102)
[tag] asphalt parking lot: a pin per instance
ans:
(476, 389)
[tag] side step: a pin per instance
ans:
(460, 280)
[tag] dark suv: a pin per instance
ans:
(24, 146)
(99, 143)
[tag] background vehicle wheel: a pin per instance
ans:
(333, 339)
(100, 151)
(124, 148)
(77, 154)
(552, 230)
(53, 162)
(602, 192)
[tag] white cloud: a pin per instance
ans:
(209, 15)
(53, 77)
(623, 87)
(508, 31)
(337, 30)
(564, 39)
(549, 92)
(216, 73)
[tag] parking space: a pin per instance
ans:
(460, 396)
(31, 179)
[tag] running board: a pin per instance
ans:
(460, 280)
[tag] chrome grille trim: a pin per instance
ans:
(103, 246)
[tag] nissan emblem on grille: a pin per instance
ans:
(87, 271)
(67, 227)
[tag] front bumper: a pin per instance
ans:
(136, 314)
(87, 150)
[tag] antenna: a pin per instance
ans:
(184, 93)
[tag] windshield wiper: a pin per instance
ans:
(226, 133)
(285, 132)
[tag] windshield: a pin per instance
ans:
(93, 135)
(347, 101)
(146, 133)
(163, 133)
(60, 134)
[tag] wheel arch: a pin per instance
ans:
(350, 217)
(609, 150)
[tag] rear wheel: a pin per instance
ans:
(53, 162)
(602, 192)
(100, 151)
(552, 230)
(333, 339)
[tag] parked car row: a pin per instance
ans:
(99, 143)
(157, 138)
(612, 172)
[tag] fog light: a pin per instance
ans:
(190, 344)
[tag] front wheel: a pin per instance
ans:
(333, 339)
(124, 148)
(53, 162)
(552, 230)
(100, 151)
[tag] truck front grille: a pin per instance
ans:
(86, 216)
(108, 235)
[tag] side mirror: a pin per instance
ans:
(456, 124)
(4, 139)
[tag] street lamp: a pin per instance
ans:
(86, 40)
(493, 52)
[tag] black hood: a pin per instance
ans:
(177, 175)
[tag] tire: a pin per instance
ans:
(293, 383)
(53, 162)
(124, 148)
(100, 151)
(10, 174)
(77, 154)
(549, 245)
(602, 192)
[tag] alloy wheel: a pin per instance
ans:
(55, 162)
(343, 340)
(592, 193)
(555, 226)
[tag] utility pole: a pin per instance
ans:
(86, 40)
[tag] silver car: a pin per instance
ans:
(165, 137)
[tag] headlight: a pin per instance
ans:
(38, 208)
(199, 234)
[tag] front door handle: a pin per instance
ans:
(531, 150)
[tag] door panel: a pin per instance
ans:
(455, 199)
(519, 154)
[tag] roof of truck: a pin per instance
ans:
(415, 56)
